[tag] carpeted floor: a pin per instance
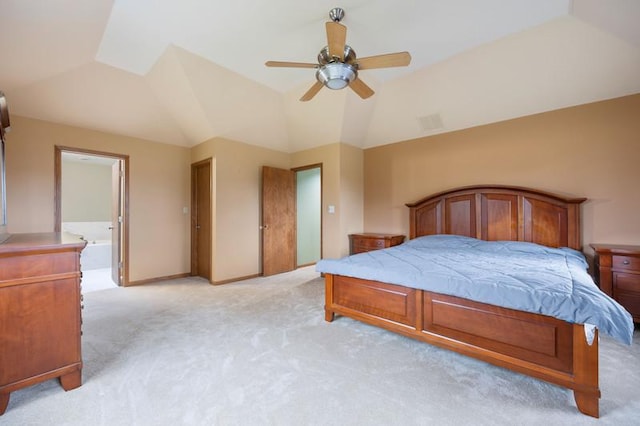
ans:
(259, 352)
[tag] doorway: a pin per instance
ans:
(291, 218)
(91, 199)
(308, 215)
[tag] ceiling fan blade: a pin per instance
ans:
(336, 39)
(400, 59)
(361, 89)
(290, 64)
(312, 92)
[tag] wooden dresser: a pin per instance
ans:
(359, 243)
(617, 272)
(40, 317)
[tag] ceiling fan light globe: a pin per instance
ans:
(336, 75)
(336, 84)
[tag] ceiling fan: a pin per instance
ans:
(338, 65)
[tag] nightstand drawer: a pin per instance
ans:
(629, 263)
(617, 270)
(370, 243)
(359, 243)
(631, 302)
(626, 282)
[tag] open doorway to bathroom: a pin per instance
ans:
(308, 214)
(91, 201)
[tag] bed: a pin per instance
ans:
(541, 346)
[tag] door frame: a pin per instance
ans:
(300, 169)
(57, 210)
(194, 209)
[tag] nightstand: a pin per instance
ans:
(617, 272)
(360, 243)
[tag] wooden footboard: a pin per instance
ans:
(536, 345)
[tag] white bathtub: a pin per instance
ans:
(96, 255)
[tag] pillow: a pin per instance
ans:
(441, 241)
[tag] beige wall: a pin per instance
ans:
(351, 194)
(342, 188)
(236, 219)
(237, 184)
(159, 189)
(86, 192)
(591, 150)
(588, 151)
(237, 210)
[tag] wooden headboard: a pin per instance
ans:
(495, 212)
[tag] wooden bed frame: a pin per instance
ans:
(536, 345)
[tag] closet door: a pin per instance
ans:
(201, 219)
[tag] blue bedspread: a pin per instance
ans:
(518, 275)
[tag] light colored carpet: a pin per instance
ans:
(259, 352)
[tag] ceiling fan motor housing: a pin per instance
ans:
(349, 56)
(336, 75)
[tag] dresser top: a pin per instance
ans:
(29, 242)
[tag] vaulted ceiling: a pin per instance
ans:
(185, 72)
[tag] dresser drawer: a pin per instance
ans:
(629, 263)
(37, 265)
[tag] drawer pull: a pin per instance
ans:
(625, 262)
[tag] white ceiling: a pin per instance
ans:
(184, 72)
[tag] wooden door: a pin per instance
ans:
(116, 221)
(278, 221)
(201, 219)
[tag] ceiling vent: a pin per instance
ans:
(431, 122)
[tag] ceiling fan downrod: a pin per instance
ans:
(336, 14)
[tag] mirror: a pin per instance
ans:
(4, 127)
